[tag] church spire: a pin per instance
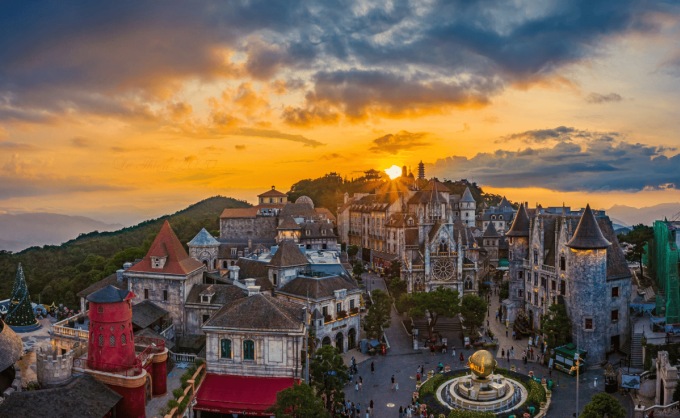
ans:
(20, 316)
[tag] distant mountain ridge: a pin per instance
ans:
(20, 231)
(646, 215)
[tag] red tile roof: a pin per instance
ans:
(240, 213)
(325, 211)
(272, 193)
(167, 245)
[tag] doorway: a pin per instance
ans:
(351, 339)
(340, 342)
(615, 342)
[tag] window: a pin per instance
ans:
(122, 339)
(563, 263)
(535, 298)
(535, 279)
(274, 279)
(563, 288)
(233, 252)
(615, 315)
(338, 307)
(248, 350)
(225, 348)
(205, 318)
(589, 323)
(520, 275)
(165, 295)
(112, 340)
(100, 309)
(351, 304)
(535, 256)
(520, 293)
(101, 339)
(146, 293)
(553, 285)
(225, 264)
(325, 310)
(615, 292)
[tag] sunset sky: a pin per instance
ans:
(150, 106)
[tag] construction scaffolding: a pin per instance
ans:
(662, 259)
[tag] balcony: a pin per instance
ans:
(418, 267)
(547, 268)
(338, 323)
(70, 328)
(526, 264)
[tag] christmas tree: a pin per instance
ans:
(20, 312)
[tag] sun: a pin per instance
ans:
(393, 172)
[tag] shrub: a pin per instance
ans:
(198, 362)
(536, 393)
(462, 413)
(191, 370)
(177, 393)
(342, 314)
(173, 403)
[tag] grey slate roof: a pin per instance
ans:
(505, 205)
(109, 294)
(83, 397)
(588, 235)
(490, 231)
(298, 210)
(288, 254)
(148, 332)
(288, 223)
(224, 293)
(259, 312)
(10, 346)
(110, 280)
(315, 229)
(203, 239)
(467, 196)
(317, 287)
(250, 269)
(520, 227)
(146, 313)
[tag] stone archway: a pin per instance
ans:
(340, 342)
(326, 340)
(351, 339)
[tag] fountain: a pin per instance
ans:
(482, 390)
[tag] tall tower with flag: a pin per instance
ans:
(20, 316)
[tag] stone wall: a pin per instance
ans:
(53, 368)
(518, 252)
(194, 317)
(276, 354)
(257, 227)
(588, 284)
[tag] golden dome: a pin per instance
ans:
(482, 363)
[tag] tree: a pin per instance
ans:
(20, 312)
(394, 269)
(352, 251)
(298, 401)
(473, 309)
(357, 270)
(556, 326)
(602, 404)
(328, 376)
(638, 237)
(676, 392)
(379, 314)
(398, 287)
(505, 290)
(441, 302)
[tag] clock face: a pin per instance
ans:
(443, 270)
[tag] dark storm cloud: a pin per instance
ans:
(599, 166)
(112, 58)
(561, 134)
(401, 141)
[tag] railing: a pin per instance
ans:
(468, 266)
(526, 264)
(340, 319)
(59, 328)
(665, 410)
(154, 345)
(418, 267)
(189, 391)
(183, 357)
(168, 331)
(549, 269)
(113, 368)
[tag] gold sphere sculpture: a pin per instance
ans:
(482, 363)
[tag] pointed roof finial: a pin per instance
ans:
(588, 235)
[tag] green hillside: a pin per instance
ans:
(58, 272)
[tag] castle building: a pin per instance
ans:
(575, 260)
(501, 216)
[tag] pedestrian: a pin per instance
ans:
(441, 367)
(513, 335)
(418, 377)
(372, 367)
(512, 353)
(370, 407)
(462, 359)
(356, 387)
(532, 353)
(393, 382)
(496, 316)
(358, 409)
(401, 412)
(506, 332)
(432, 349)
(368, 414)
(361, 382)
(487, 323)
(502, 352)
(453, 351)
(550, 370)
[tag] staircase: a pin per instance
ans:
(636, 359)
(421, 325)
(448, 326)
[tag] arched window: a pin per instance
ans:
(101, 339)
(248, 350)
(122, 339)
(225, 264)
(100, 309)
(112, 340)
(225, 348)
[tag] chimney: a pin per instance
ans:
(119, 275)
(127, 265)
(250, 283)
(272, 187)
(233, 272)
(253, 290)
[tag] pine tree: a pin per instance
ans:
(20, 312)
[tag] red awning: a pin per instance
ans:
(246, 395)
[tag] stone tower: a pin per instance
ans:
(421, 170)
(204, 248)
(587, 307)
(111, 346)
(518, 254)
(53, 368)
(468, 205)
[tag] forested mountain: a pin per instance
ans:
(58, 272)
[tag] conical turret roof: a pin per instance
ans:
(504, 204)
(203, 239)
(588, 235)
(467, 196)
(520, 227)
(490, 231)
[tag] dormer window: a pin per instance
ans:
(158, 262)
(323, 232)
(205, 298)
(309, 232)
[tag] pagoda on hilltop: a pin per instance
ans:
(20, 316)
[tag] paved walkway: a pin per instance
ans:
(401, 361)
